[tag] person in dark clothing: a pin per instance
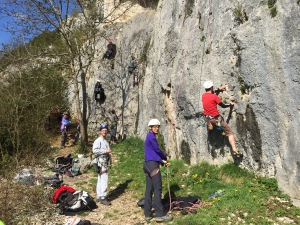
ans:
(111, 51)
(114, 120)
(98, 90)
(132, 70)
(153, 159)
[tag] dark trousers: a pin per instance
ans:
(64, 138)
(153, 185)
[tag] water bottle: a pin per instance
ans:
(219, 127)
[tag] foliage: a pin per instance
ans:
(207, 51)
(273, 11)
(161, 143)
(143, 57)
(272, 7)
(20, 202)
(271, 3)
(240, 14)
(26, 101)
(244, 87)
(131, 157)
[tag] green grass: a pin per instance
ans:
(247, 198)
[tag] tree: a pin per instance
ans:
(27, 95)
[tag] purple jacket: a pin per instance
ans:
(64, 122)
(152, 150)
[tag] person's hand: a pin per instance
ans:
(223, 87)
(232, 103)
(168, 158)
(108, 151)
(167, 164)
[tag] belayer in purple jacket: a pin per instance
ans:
(65, 125)
(153, 158)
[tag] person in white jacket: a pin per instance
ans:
(102, 149)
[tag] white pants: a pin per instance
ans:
(102, 184)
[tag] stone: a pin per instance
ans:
(261, 54)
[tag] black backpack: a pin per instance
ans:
(113, 48)
(75, 203)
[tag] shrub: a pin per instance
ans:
(144, 53)
(240, 14)
(273, 11)
(271, 3)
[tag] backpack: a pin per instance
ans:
(77, 202)
(54, 181)
(102, 95)
(57, 194)
(113, 48)
(63, 164)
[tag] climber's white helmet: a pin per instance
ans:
(208, 84)
(153, 122)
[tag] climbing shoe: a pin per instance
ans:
(152, 215)
(164, 218)
(237, 153)
(104, 201)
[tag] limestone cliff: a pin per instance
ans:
(249, 45)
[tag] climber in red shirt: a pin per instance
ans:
(210, 100)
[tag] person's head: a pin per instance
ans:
(66, 114)
(103, 130)
(208, 85)
(98, 81)
(110, 41)
(154, 125)
(132, 57)
(113, 111)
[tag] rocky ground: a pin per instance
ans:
(123, 210)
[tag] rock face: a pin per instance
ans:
(182, 44)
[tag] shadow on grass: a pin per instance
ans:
(119, 190)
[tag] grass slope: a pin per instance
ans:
(248, 199)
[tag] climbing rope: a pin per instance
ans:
(181, 76)
(177, 96)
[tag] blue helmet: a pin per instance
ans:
(103, 127)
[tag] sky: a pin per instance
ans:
(4, 36)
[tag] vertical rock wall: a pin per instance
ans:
(184, 43)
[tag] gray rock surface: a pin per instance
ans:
(182, 44)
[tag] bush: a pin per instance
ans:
(273, 11)
(240, 14)
(19, 202)
(28, 98)
(271, 3)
